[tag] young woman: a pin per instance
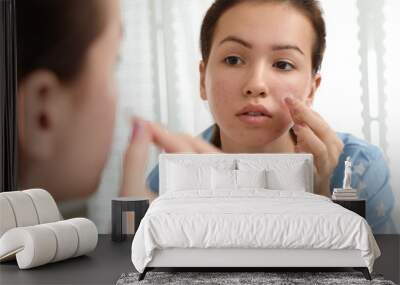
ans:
(67, 53)
(260, 73)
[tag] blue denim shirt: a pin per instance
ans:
(370, 176)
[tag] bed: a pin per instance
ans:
(247, 211)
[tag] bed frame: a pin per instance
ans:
(259, 259)
(248, 259)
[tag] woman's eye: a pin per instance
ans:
(284, 65)
(233, 60)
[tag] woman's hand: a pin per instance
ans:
(179, 143)
(135, 162)
(315, 136)
(136, 156)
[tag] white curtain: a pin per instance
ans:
(158, 78)
(392, 91)
(341, 77)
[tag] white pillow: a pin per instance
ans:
(295, 181)
(251, 178)
(283, 173)
(182, 177)
(223, 179)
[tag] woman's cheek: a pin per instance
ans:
(220, 96)
(219, 113)
(283, 113)
(287, 119)
(104, 105)
(110, 109)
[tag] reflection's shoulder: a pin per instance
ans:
(358, 148)
(208, 133)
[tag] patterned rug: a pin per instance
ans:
(229, 278)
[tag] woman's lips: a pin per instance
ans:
(254, 115)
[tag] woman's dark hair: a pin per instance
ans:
(56, 34)
(310, 8)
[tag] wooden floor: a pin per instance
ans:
(110, 259)
(389, 262)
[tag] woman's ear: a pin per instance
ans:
(39, 112)
(202, 71)
(315, 85)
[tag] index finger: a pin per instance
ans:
(302, 114)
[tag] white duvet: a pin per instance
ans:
(252, 218)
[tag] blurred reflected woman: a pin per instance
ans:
(67, 50)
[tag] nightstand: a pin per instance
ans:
(121, 206)
(357, 206)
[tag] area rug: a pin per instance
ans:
(229, 278)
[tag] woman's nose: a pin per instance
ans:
(256, 84)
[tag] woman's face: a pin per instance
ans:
(261, 53)
(67, 154)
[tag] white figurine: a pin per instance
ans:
(347, 174)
